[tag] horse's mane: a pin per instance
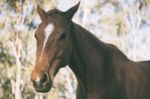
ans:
(96, 41)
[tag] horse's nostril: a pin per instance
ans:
(36, 84)
(44, 78)
(42, 83)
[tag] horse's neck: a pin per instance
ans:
(87, 56)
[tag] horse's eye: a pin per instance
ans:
(62, 36)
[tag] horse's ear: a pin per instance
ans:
(42, 13)
(69, 13)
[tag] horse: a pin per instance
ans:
(101, 69)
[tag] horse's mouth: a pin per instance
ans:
(44, 89)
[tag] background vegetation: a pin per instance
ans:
(125, 23)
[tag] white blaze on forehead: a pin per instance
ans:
(48, 31)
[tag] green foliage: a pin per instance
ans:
(5, 89)
(12, 3)
(5, 57)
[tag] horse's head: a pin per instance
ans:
(54, 46)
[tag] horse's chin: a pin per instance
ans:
(43, 89)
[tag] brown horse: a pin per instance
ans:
(102, 70)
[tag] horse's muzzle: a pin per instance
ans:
(43, 84)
